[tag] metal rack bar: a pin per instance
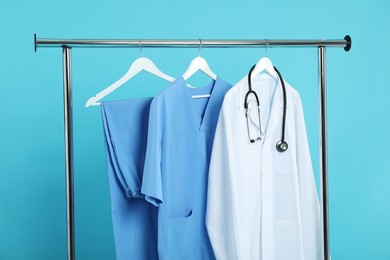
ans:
(153, 43)
(67, 44)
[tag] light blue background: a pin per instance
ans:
(32, 189)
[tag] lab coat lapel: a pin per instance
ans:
(276, 113)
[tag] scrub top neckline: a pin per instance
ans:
(204, 121)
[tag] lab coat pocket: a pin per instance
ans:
(180, 234)
(286, 195)
(287, 240)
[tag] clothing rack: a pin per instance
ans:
(68, 44)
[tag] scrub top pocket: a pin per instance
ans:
(181, 234)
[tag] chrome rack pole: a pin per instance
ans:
(68, 128)
(206, 43)
(323, 149)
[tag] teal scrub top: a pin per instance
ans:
(180, 138)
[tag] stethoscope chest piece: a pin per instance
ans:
(281, 146)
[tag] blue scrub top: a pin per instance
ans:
(134, 220)
(180, 137)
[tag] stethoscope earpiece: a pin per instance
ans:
(281, 146)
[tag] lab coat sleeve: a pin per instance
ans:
(309, 204)
(151, 180)
(220, 218)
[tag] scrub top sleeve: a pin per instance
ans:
(221, 196)
(309, 204)
(152, 181)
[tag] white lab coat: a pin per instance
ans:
(262, 204)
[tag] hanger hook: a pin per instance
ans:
(266, 48)
(200, 47)
(140, 47)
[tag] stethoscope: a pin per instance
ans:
(281, 145)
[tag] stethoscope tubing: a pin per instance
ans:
(281, 145)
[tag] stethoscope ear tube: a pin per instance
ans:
(282, 145)
(250, 91)
(246, 102)
(247, 96)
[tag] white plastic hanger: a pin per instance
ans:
(199, 63)
(140, 64)
(265, 64)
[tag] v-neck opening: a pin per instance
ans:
(200, 120)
